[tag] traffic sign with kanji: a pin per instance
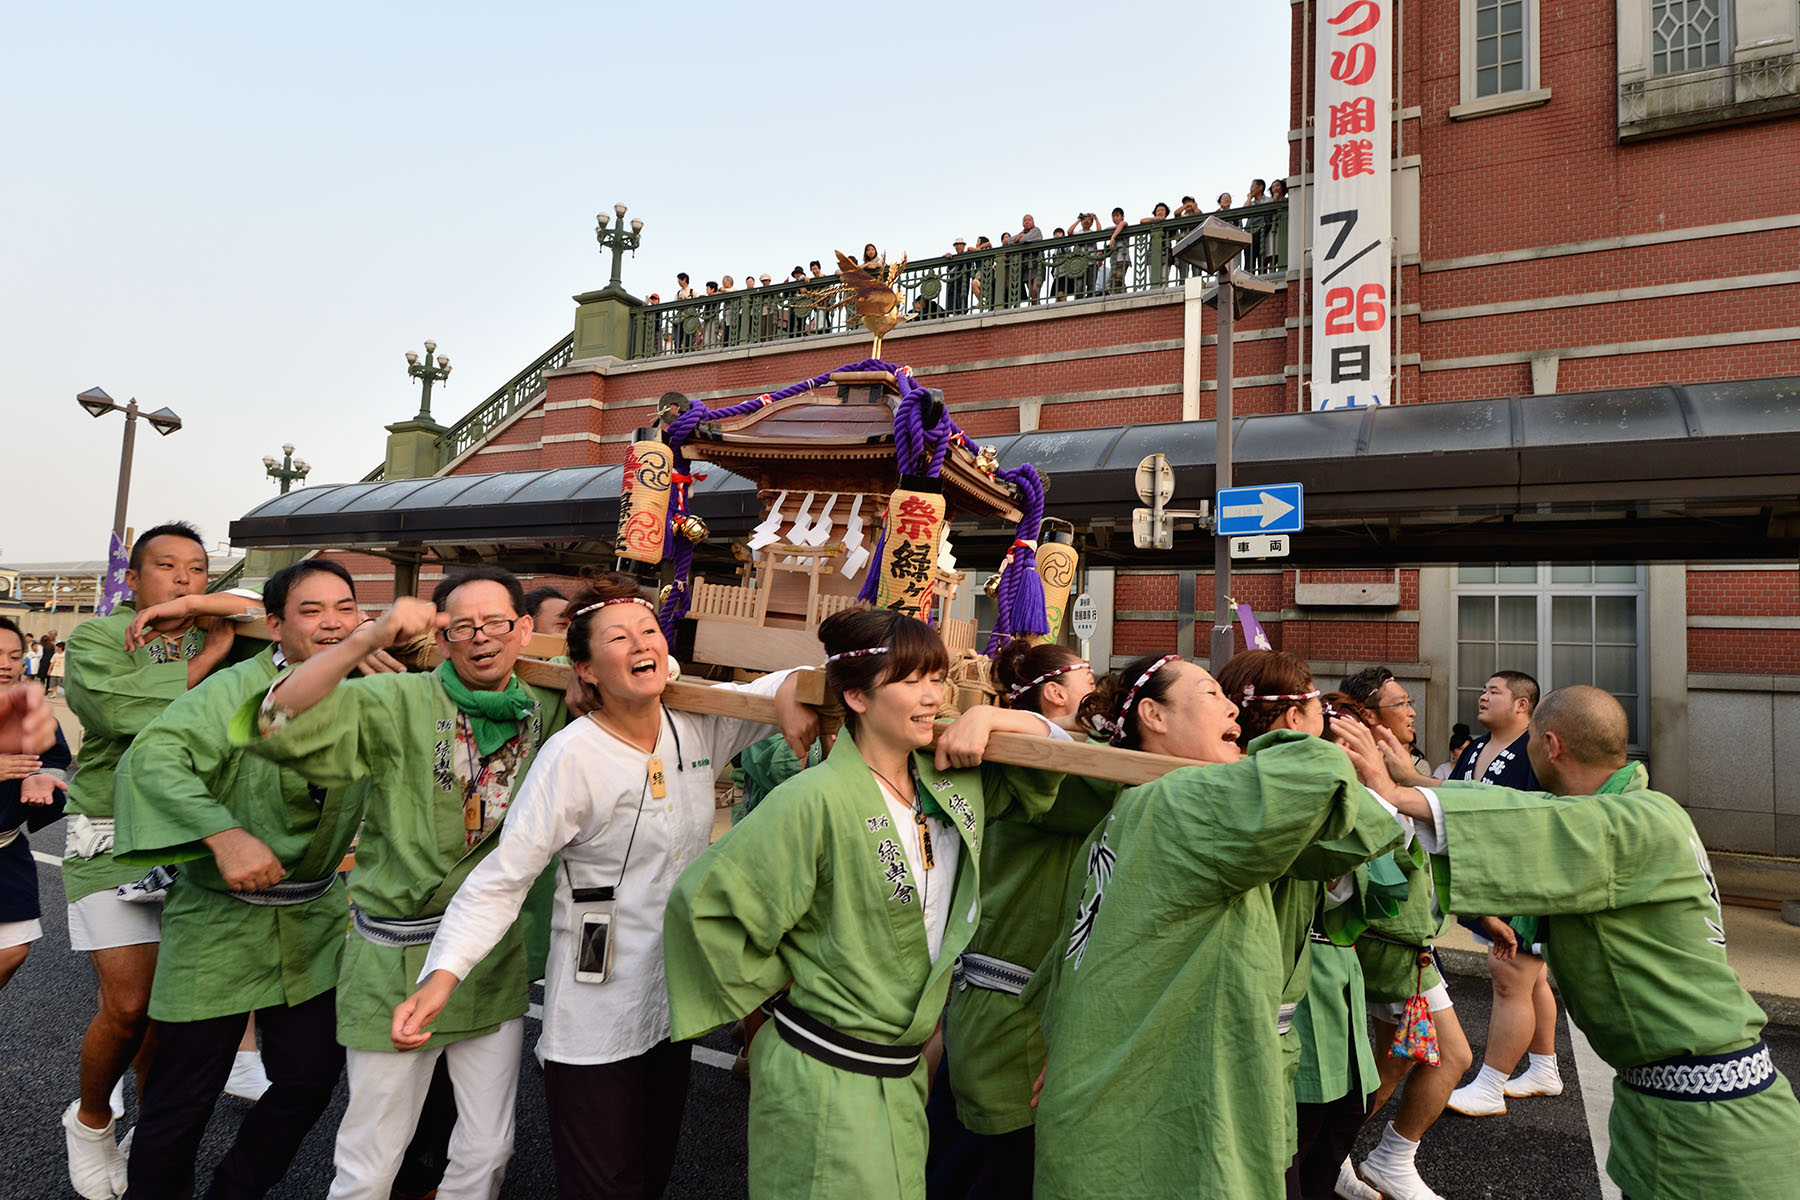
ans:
(1272, 508)
(1084, 616)
(1260, 545)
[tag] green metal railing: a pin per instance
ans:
(230, 578)
(522, 389)
(1051, 271)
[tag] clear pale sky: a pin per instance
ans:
(248, 213)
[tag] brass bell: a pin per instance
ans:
(992, 587)
(692, 528)
(662, 597)
(988, 461)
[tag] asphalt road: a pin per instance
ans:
(1540, 1150)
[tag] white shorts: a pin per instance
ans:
(20, 933)
(102, 921)
(1437, 999)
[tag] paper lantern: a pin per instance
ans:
(644, 498)
(1056, 559)
(915, 520)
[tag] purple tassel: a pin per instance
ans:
(872, 571)
(1020, 603)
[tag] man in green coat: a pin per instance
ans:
(444, 752)
(1636, 942)
(255, 922)
(122, 671)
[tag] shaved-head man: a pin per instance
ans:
(1637, 939)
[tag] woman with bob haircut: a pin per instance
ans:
(624, 799)
(1162, 1007)
(846, 897)
(992, 1041)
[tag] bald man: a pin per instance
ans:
(1637, 943)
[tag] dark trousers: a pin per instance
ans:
(303, 1060)
(1327, 1135)
(614, 1126)
(1006, 1165)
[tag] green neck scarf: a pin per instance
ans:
(493, 716)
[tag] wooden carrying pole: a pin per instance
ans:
(1129, 767)
(1012, 749)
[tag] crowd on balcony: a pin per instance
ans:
(800, 304)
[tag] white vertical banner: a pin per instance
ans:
(1352, 203)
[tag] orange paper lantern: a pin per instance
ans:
(1056, 559)
(915, 521)
(644, 499)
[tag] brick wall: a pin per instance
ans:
(1743, 593)
(1744, 651)
(1507, 183)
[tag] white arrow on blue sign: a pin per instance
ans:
(1271, 508)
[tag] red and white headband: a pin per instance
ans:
(1118, 728)
(585, 609)
(1250, 694)
(856, 653)
(1019, 689)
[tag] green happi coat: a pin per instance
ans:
(400, 732)
(1298, 898)
(1332, 1028)
(1390, 971)
(1160, 1010)
(114, 694)
(795, 894)
(181, 782)
(992, 1040)
(1637, 943)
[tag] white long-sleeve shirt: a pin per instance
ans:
(579, 803)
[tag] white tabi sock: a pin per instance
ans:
(1540, 1078)
(1490, 1083)
(1394, 1149)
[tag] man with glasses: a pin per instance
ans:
(1398, 962)
(1376, 689)
(445, 751)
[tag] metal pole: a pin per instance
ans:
(131, 416)
(1221, 637)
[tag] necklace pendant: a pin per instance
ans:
(659, 788)
(925, 854)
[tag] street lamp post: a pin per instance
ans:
(617, 240)
(1214, 248)
(98, 404)
(426, 374)
(289, 470)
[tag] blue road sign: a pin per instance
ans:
(1272, 508)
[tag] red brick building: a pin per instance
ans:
(1587, 196)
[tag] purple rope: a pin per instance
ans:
(682, 428)
(917, 451)
(1020, 602)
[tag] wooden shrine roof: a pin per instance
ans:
(847, 437)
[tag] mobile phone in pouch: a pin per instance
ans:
(593, 947)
